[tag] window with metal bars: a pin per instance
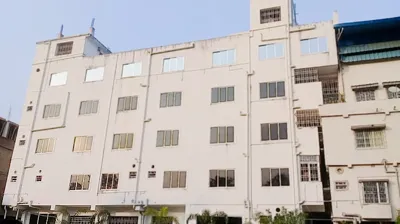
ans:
(51, 110)
(174, 179)
(330, 90)
(222, 135)
(222, 178)
(123, 141)
(13, 179)
(64, 48)
(127, 103)
(151, 174)
(38, 178)
(365, 95)
(305, 75)
(167, 138)
(375, 192)
(80, 220)
(341, 185)
(309, 168)
(270, 15)
(370, 138)
(109, 181)
(308, 118)
(132, 174)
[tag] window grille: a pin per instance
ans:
(308, 118)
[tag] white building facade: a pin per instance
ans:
(228, 124)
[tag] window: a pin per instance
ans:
(95, 74)
(133, 69)
(341, 185)
(222, 94)
(174, 64)
(58, 79)
(82, 144)
(222, 178)
(151, 174)
(370, 138)
(330, 90)
(174, 179)
(13, 179)
(270, 15)
(123, 141)
(222, 135)
(109, 181)
(64, 48)
(392, 89)
(275, 131)
(309, 168)
(274, 177)
(167, 138)
(127, 103)
(314, 45)
(375, 192)
(51, 110)
(79, 182)
(270, 51)
(305, 75)
(272, 89)
(171, 99)
(308, 118)
(365, 95)
(226, 57)
(29, 108)
(21, 142)
(38, 178)
(132, 174)
(89, 107)
(45, 145)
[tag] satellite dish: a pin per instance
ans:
(394, 89)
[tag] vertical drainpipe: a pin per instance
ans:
(33, 122)
(143, 126)
(291, 114)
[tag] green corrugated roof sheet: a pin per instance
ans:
(369, 47)
(370, 56)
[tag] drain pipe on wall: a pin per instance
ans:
(384, 161)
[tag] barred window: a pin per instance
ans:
(375, 192)
(167, 138)
(51, 110)
(45, 145)
(123, 141)
(82, 143)
(79, 182)
(64, 48)
(272, 89)
(308, 118)
(270, 15)
(330, 90)
(309, 168)
(341, 185)
(222, 178)
(305, 75)
(171, 99)
(392, 89)
(174, 179)
(274, 177)
(13, 179)
(151, 174)
(222, 94)
(132, 174)
(275, 131)
(38, 178)
(88, 107)
(127, 103)
(370, 138)
(365, 95)
(109, 181)
(222, 135)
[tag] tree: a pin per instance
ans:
(283, 217)
(160, 216)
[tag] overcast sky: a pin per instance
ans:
(131, 24)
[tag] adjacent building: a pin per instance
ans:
(227, 124)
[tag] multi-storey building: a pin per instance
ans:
(361, 132)
(228, 124)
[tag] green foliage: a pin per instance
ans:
(283, 217)
(398, 219)
(160, 216)
(207, 218)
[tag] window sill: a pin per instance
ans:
(93, 81)
(78, 190)
(43, 153)
(232, 101)
(108, 190)
(316, 53)
(271, 99)
(125, 111)
(176, 188)
(222, 144)
(58, 85)
(170, 72)
(167, 147)
(371, 148)
(271, 59)
(132, 76)
(122, 150)
(222, 188)
(273, 142)
(275, 186)
(223, 66)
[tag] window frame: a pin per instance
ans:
(127, 143)
(266, 86)
(171, 138)
(76, 182)
(273, 19)
(49, 142)
(226, 90)
(379, 199)
(168, 100)
(170, 180)
(58, 73)
(113, 182)
(339, 183)
(363, 95)
(366, 130)
(94, 80)
(61, 45)
(270, 169)
(178, 69)
(263, 52)
(227, 57)
(278, 132)
(226, 135)
(308, 161)
(132, 101)
(86, 144)
(93, 110)
(309, 43)
(218, 172)
(50, 109)
(139, 64)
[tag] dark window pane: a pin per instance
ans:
(222, 178)
(214, 95)
(109, 181)
(182, 179)
(274, 131)
(275, 177)
(103, 181)
(231, 94)
(121, 102)
(263, 90)
(264, 132)
(214, 135)
(283, 131)
(79, 182)
(285, 177)
(174, 179)
(178, 96)
(167, 179)
(231, 178)
(222, 135)
(163, 100)
(213, 178)
(72, 182)
(281, 88)
(231, 134)
(175, 137)
(167, 138)
(272, 89)
(222, 94)
(160, 138)
(115, 181)
(170, 99)
(265, 177)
